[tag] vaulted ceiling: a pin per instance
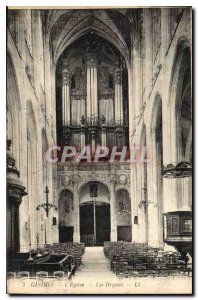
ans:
(63, 27)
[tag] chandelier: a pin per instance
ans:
(144, 203)
(124, 209)
(46, 205)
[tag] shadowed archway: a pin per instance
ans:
(94, 214)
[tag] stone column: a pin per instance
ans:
(187, 193)
(144, 214)
(93, 133)
(139, 238)
(113, 236)
(118, 106)
(137, 79)
(103, 136)
(148, 46)
(92, 85)
(154, 207)
(66, 85)
(76, 236)
(82, 138)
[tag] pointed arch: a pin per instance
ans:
(77, 25)
(180, 99)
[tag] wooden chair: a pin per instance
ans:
(24, 274)
(41, 274)
(59, 274)
(11, 275)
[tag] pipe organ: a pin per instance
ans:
(66, 82)
(118, 95)
(92, 101)
(92, 87)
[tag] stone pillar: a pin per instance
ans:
(118, 106)
(139, 238)
(82, 138)
(171, 187)
(66, 106)
(93, 140)
(113, 236)
(76, 236)
(187, 193)
(134, 204)
(137, 79)
(103, 137)
(92, 85)
(144, 214)
(148, 55)
(155, 195)
(88, 106)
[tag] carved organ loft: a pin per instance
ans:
(92, 95)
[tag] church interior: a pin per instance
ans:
(99, 77)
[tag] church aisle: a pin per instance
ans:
(94, 264)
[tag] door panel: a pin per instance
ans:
(124, 233)
(102, 224)
(66, 234)
(87, 224)
(102, 219)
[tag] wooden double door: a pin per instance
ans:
(66, 234)
(95, 223)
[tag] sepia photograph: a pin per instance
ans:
(99, 150)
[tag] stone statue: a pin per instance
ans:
(103, 120)
(82, 120)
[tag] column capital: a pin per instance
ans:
(66, 74)
(117, 73)
(75, 179)
(82, 130)
(93, 133)
(91, 60)
(117, 76)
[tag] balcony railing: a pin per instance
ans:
(96, 122)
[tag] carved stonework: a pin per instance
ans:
(67, 135)
(79, 92)
(76, 178)
(92, 133)
(66, 78)
(128, 181)
(63, 180)
(117, 77)
(66, 74)
(60, 168)
(113, 178)
(122, 179)
(91, 60)
(117, 73)
(104, 91)
(60, 181)
(67, 179)
(15, 194)
(105, 173)
(88, 177)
